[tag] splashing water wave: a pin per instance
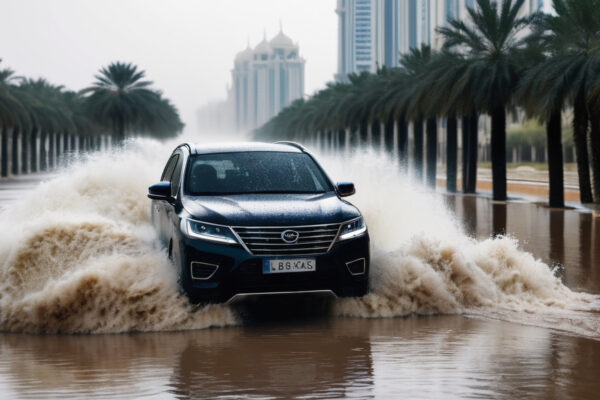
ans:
(422, 261)
(78, 254)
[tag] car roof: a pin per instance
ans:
(236, 147)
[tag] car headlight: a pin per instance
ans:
(352, 229)
(210, 232)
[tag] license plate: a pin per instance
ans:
(279, 266)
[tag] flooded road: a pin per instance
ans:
(456, 317)
(443, 357)
(568, 239)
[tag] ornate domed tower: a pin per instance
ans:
(266, 79)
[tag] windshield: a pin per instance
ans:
(254, 172)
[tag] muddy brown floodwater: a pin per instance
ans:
(568, 239)
(443, 357)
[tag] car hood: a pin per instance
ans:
(270, 209)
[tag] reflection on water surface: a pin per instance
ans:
(415, 357)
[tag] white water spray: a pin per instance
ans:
(78, 254)
(422, 262)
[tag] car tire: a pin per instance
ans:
(361, 289)
(184, 279)
(185, 284)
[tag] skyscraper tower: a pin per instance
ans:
(373, 33)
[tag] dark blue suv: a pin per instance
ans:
(251, 219)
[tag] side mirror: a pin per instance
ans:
(345, 189)
(160, 191)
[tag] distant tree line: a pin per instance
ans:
(493, 62)
(43, 121)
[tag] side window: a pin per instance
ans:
(176, 176)
(168, 171)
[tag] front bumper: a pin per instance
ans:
(240, 273)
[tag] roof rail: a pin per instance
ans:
(293, 144)
(186, 144)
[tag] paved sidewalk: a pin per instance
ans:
(527, 183)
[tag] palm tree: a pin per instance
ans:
(165, 120)
(543, 92)
(380, 114)
(84, 128)
(415, 64)
(355, 105)
(51, 117)
(574, 36)
(492, 44)
(13, 115)
(439, 99)
(393, 104)
(122, 101)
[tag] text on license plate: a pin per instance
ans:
(289, 265)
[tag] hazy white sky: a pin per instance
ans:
(186, 46)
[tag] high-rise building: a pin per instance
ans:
(374, 33)
(265, 80)
(361, 32)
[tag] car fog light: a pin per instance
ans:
(203, 271)
(356, 267)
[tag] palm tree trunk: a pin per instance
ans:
(339, 139)
(451, 153)
(33, 150)
(432, 141)
(473, 147)
(51, 148)
(354, 139)
(72, 145)
(65, 143)
(555, 160)
(58, 149)
(469, 152)
(43, 151)
(403, 143)
(464, 156)
(25, 147)
(363, 132)
(332, 135)
(389, 133)
(120, 131)
(24, 152)
(595, 149)
(498, 144)
(347, 140)
(375, 132)
(4, 152)
(418, 148)
(14, 161)
(580, 128)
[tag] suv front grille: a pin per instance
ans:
(312, 239)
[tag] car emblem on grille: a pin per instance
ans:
(290, 236)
